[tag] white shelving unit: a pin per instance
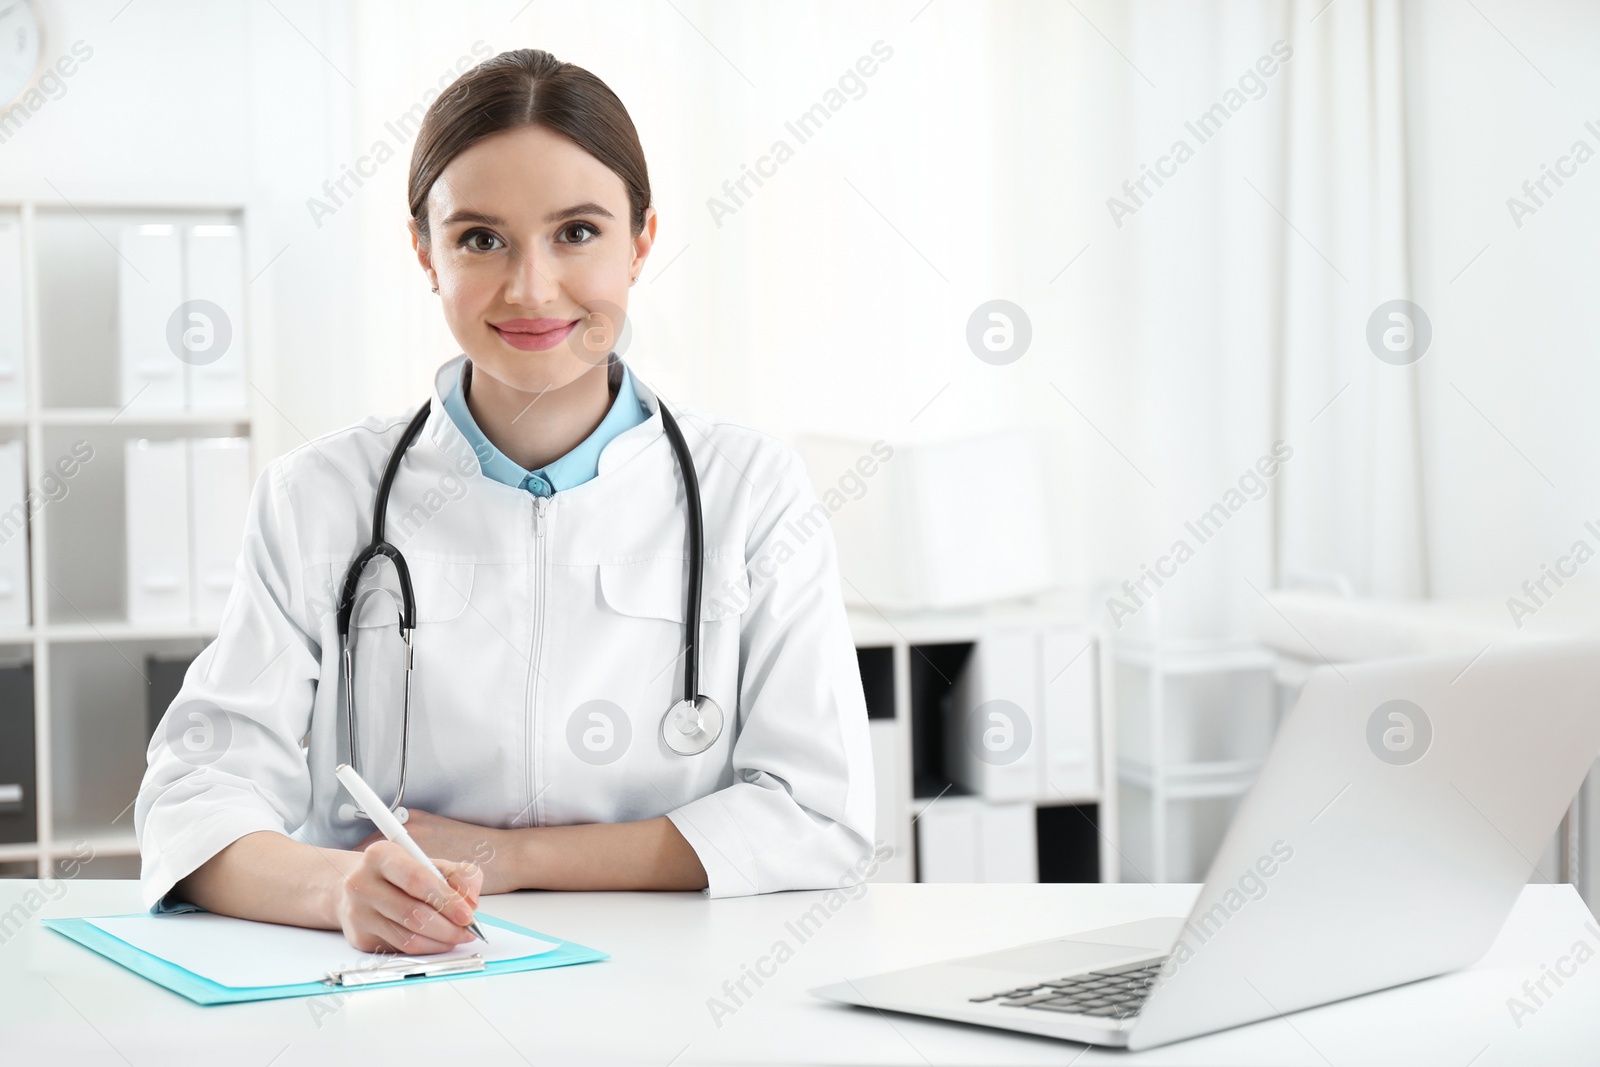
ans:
(903, 635)
(1164, 762)
(88, 687)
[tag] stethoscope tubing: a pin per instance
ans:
(378, 546)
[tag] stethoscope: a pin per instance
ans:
(689, 727)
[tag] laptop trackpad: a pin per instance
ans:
(1058, 957)
(1109, 946)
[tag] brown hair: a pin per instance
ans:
(527, 87)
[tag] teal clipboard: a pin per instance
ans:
(204, 991)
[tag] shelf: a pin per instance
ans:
(119, 630)
(870, 627)
(107, 630)
(1195, 658)
(91, 711)
(922, 801)
(1192, 781)
(154, 206)
(105, 845)
(104, 841)
(117, 417)
(22, 850)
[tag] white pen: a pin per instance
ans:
(385, 820)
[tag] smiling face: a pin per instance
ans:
(530, 247)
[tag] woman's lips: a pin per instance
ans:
(534, 342)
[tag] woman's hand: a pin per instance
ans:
(389, 902)
(464, 842)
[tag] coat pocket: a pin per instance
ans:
(657, 588)
(646, 598)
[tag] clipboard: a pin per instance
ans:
(374, 972)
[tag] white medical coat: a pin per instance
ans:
(532, 632)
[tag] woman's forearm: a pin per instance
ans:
(648, 854)
(271, 878)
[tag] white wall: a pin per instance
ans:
(1510, 488)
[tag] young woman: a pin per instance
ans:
(545, 518)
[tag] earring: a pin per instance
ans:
(436, 288)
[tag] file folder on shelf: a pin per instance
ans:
(214, 272)
(149, 290)
(967, 839)
(185, 505)
(12, 390)
(219, 484)
(157, 485)
(1021, 722)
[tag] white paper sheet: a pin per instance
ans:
(243, 954)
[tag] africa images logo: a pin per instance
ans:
(1399, 732)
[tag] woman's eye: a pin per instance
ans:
(469, 239)
(583, 226)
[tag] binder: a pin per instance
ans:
(219, 483)
(214, 272)
(18, 781)
(1041, 680)
(1068, 657)
(13, 392)
(149, 290)
(14, 588)
(993, 722)
(157, 507)
(220, 947)
(965, 839)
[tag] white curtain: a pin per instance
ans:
(1252, 272)
(1352, 499)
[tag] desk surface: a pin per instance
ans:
(672, 952)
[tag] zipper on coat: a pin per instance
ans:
(541, 505)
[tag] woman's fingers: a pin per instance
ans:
(394, 899)
(414, 879)
(393, 902)
(416, 916)
(398, 938)
(465, 878)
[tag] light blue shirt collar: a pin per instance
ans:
(574, 468)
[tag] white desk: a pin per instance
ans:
(62, 1004)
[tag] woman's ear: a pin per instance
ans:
(423, 256)
(642, 243)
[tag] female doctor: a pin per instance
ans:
(544, 520)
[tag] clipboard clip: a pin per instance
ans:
(405, 967)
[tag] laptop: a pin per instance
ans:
(1403, 805)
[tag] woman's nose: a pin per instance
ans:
(530, 284)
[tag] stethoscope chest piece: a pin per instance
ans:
(689, 728)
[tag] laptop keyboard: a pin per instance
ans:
(1115, 993)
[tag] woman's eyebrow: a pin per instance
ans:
(589, 208)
